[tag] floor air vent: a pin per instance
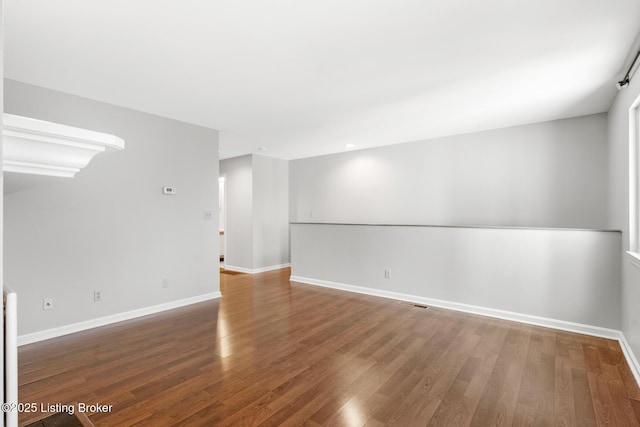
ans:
(414, 304)
(420, 305)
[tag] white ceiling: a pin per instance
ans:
(306, 77)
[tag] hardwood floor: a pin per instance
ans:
(273, 353)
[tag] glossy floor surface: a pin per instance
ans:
(276, 353)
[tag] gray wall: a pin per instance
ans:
(619, 207)
(550, 174)
(110, 228)
(257, 229)
(270, 212)
(564, 275)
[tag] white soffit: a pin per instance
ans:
(38, 147)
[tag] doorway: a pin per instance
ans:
(222, 218)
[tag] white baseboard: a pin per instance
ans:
(630, 356)
(256, 270)
(491, 312)
(238, 269)
(114, 318)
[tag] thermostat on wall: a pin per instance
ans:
(169, 190)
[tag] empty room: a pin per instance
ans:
(320, 213)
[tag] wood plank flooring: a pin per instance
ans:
(275, 353)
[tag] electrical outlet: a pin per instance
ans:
(165, 283)
(387, 273)
(208, 215)
(47, 304)
(97, 296)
